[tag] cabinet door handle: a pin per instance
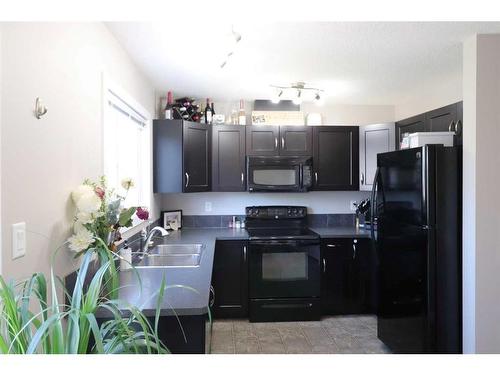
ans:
(244, 254)
(458, 127)
(212, 300)
(353, 251)
(187, 179)
(242, 178)
(331, 245)
(452, 127)
(282, 142)
(276, 143)
(316, 177)
(324, 265)
(362, 178)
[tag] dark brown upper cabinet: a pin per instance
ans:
(410, 125)
(228, 158)
(296, 140)
(262, 140)
(283, 140)
(444, 119)
(181, 156)
(336, 158)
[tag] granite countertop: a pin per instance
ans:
(188, 288)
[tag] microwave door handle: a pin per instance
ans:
(301, 177)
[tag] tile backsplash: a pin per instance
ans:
(222, 221)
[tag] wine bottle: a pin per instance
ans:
(208, 113)
(202, 114)
(213, 110)
(169, 106)
(242, 118)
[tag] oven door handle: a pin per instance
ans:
(284, 242)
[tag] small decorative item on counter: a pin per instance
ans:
(243, 224)
(126, 257)
(237, 224)
(234, 221)
(172, 219)
(242, 118)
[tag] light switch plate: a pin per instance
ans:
(18, 240)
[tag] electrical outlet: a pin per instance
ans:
(353, 205)
(18, 240)
(208, 206)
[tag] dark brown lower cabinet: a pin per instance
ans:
(347, 276)
(229, 297)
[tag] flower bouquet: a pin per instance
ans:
(99, 216)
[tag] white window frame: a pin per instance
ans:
(112, 92)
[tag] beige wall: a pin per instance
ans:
(430, 95)
(481, 180)
(43, 160)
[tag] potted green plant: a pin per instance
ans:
(73, 328)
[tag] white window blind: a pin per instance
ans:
(126, 148)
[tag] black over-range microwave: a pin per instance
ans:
(279, 173)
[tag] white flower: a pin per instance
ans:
(88, 202)
(81, 240)
(84, 217)
(80, 191)
(127, 183)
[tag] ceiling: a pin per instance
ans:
(370, 63)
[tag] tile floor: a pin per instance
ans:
(336, 334)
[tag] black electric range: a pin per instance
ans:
(284, 264)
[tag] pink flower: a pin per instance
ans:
(142, 213)
(100, 192)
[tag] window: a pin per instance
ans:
(126, 144)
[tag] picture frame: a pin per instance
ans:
(169, 216)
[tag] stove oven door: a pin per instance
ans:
(284, 269)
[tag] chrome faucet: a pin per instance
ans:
(146, 238)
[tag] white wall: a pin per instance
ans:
(318, 202)
(44, 160)
(481, 235)
(332, 114)
(338, 114)
(432, 94)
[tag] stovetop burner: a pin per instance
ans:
(278, 223)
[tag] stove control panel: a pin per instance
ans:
(276, 212)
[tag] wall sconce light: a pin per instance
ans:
(40, 109)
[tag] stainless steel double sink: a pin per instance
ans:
(172, 255)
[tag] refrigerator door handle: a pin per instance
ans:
(374, 204)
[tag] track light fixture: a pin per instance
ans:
(298, 92)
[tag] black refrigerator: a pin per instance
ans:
(416, 204)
